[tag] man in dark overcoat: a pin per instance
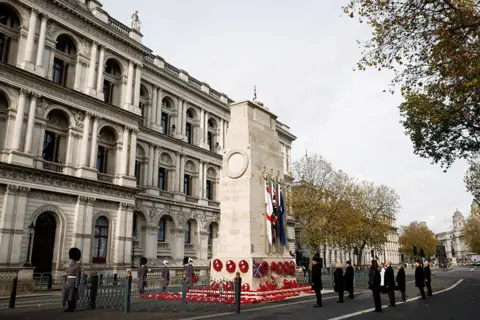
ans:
(317, 285)
(428, 277)
(189, 272)
(390, 283)
(349, 279)
(165, 275)
(72, 279)
(420, 279)
(338, 282)
(401, 281)
(142, 275)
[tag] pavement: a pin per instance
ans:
(460, 300)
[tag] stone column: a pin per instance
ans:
(153, 108)
(27, 64)
(202, 246)
(101, 66)
(205, 125)
(178, 243)
(41, 46)
(202, 128)
(30, 123)
(121, 230)
(82, 227)
(183, 118)
(92, 67)
(18, 124)
(41, 140)
(201, 185)
(12, 216)
(133, 153)
(156, 160)
(182, 173)
(138, 80)
(176, 186)
(159, 107)
(93, 146)
(151, 156)
(78, 73)
(151, 234)
(124, 158)
(129, 94)
(220, 138)
(86, 133)
(70, 142)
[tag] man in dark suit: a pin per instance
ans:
(390, 283)
(428, 277)
(317, 285)
(420, 279)
(142, 275)
(338, 282)
(349, 277)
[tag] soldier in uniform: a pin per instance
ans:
(189, 272)
(165, 275)
(73, 279)
(142, 275)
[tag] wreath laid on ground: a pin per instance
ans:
(273, 266)
(280, 268)
(217, 265)
(243, 266)
(264, 268)
(195, 278)
(245, 287)
(293, 269)
(231, 266)
(286, 267)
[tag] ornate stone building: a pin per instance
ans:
(104, 145)
(454, 239)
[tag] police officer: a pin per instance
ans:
(73, 279)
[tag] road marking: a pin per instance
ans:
(350, 315)
(265, 307)
(473, 268)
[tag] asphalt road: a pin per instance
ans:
(460, 302)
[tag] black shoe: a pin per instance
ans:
(317, 306)
(378, 310)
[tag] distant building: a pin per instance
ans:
(454, 239)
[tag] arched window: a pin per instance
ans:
(3, 120)
(212, 127)
(99, 253)
(9, 33)
(161, 230)
(106, 154)
(112, 82)
(134, 225)
(143, 103)
(188, 232)
(64, 61)
(55, 141)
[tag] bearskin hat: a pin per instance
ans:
(143, 261)
(75, 254)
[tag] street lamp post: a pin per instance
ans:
(134, 241)
(31, 230)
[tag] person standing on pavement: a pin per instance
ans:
(189, 272)
(401, 281)
(428, 277)
(382, 278)
(317, 285)
(73, 279)
(142, 275)
(420, 279)
(374, 285)
(338, 282)
(349, 279)
(390, 283)
(165, 275)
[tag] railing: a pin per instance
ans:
(214, 93)
(8, 274)
(172, 69)
(166, 194)
(149, 58)
(117, 25)
(194, 82)
(213, 203)
(189, 247)
(105, 177)
(53, 166)
(162, 245)
(191, 199)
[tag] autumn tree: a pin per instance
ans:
(418, 236)
(472, 232)
(373, 213)
(433, 47)
(320, 201)
(472, 178)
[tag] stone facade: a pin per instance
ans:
(104, 145)
(454, 239)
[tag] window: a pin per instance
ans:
(161, 230)
(138, 171)
(134, 226)
(60, 72)
(188, 231)
(108, 89)
(99, 254)
(4, 47)
(162, 179)
(186, 184)
(208, 190)
(102, 159)
(210, 141)
(164, 123)
(142, 108)
(50, 146)
(188, 132)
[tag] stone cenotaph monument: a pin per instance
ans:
(249, 239)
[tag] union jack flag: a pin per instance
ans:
(256, 270)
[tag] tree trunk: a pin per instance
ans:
(360, 254)
(324, 255)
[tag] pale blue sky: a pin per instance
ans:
(300, 56)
